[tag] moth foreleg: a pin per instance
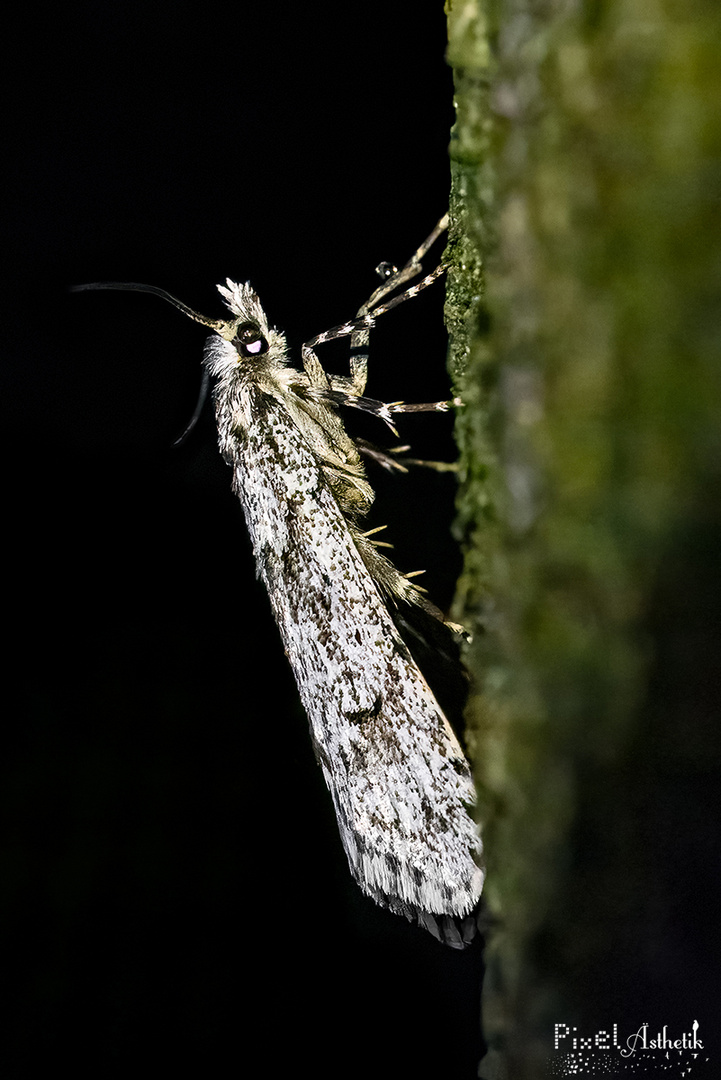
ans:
(358, 360)
(317, 375)
(361, 327)
(392, 280)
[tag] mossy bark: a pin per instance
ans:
(585, 322)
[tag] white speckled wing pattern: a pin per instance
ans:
(400, 783)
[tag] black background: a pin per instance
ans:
(172, 886)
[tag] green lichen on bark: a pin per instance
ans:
(586, 184)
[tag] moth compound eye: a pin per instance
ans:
(249, 340)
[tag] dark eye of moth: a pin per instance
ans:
(249, 340)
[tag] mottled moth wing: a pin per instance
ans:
(400, 784)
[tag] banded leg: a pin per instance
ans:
(392, 280)
(359, 328)
(368, 321)
(343, 391)
(385, 410)
(413, 267)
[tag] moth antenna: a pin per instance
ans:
(134, 286)
(200, 404)
(214, 324)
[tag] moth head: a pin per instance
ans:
(248, 332)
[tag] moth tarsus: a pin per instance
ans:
(399, 781)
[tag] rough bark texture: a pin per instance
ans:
(586, 181)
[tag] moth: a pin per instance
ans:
(399, 781)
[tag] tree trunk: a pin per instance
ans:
(586, 182)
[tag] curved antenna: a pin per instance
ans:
(134, 286)
(215, 324)
(202, 398)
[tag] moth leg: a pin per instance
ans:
(368, 321)
(317, 375)
(396, 458)
(387, 459)
(339, 394)
(358, 360)
(392, 280)
(359, 328)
